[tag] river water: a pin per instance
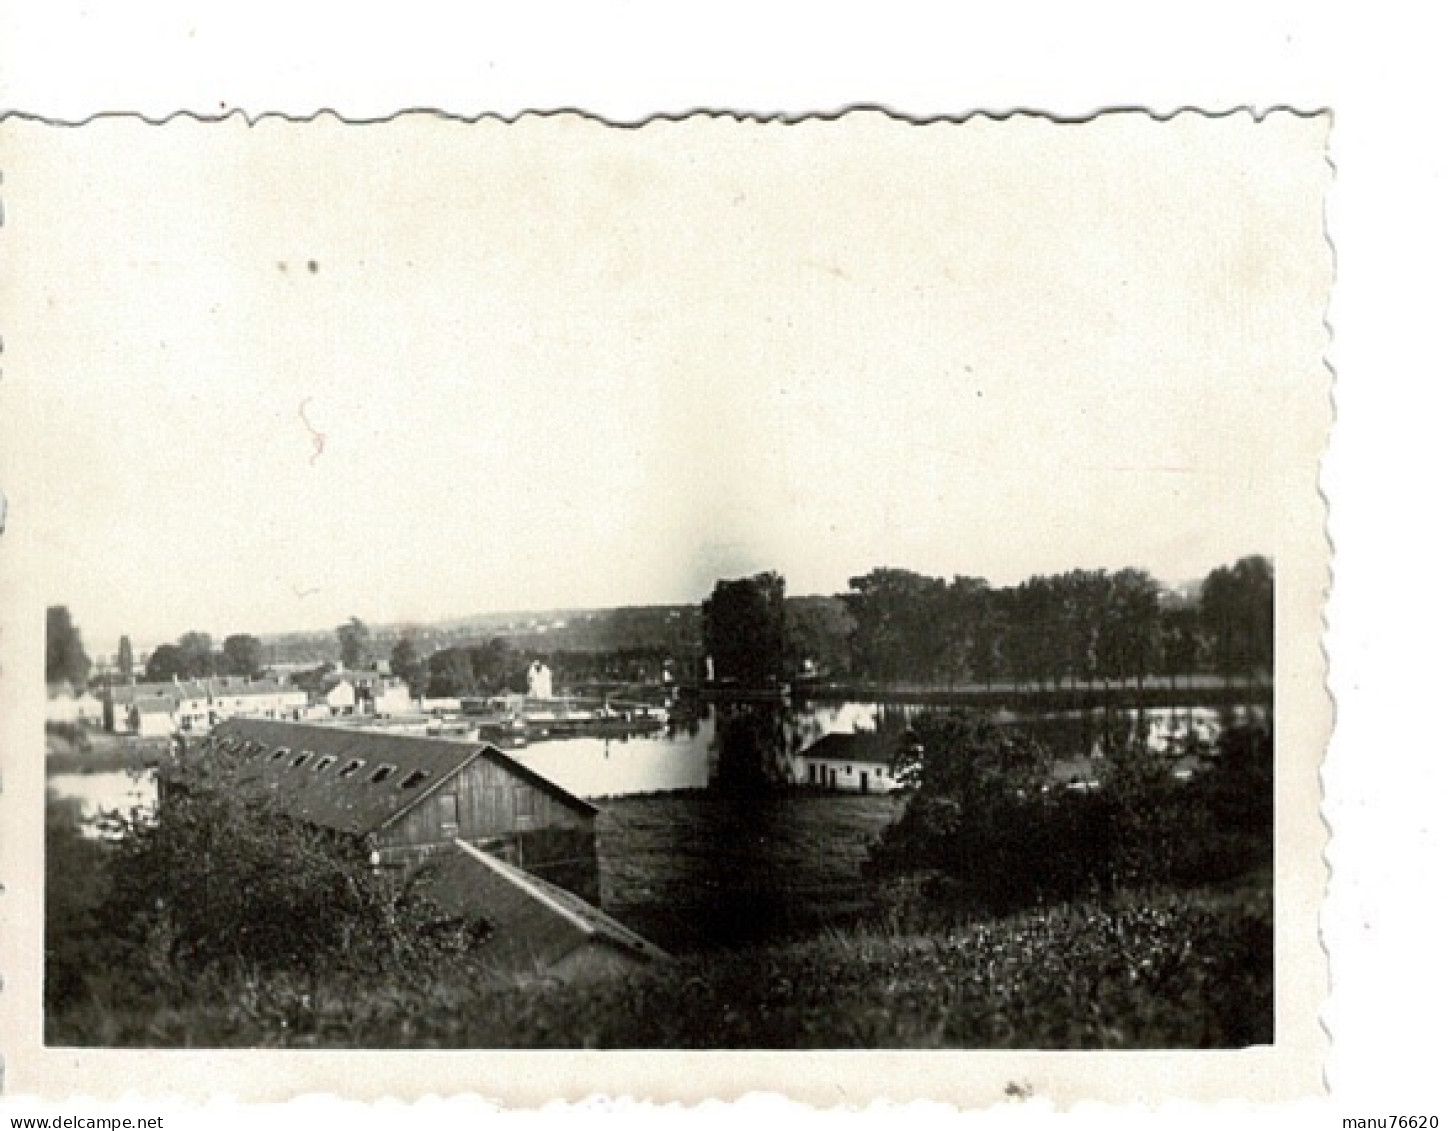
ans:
(109, 791)
(685, 755)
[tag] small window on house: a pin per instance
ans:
(323, 763)
(351, 768)
(301, 758)
(382, 773)
(448, 807)
(280, 752)
(414, 779)
(879, 771)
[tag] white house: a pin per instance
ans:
(341, 697)
(65, 706)
(849, 762)
(355, 692)
(392, 698)
(540, 681)
(195, 706)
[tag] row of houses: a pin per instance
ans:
(195, 706)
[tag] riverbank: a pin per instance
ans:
(76, 750)
(1027, 697)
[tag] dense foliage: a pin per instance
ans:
(744, 629)
(989, 827)
(355, 639)
(485, 669)
(1080, 627)
(125, 659)
(217, 880)
(65, 656)
(194, 656)
(1173, 971)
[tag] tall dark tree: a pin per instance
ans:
(1131, 631)
(818, 630)
(495, 666)
(65, 658)
(354, 637)
(1086, 597)
(243, 654)
(408, 666)
(1182, 648)
(165, 664)
(1237, 611)
(900, 623)
(198, 658)
(744, 629)
(125, 659)
(450, 673)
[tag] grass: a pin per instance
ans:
(781, 944)
(1146, 971)
(703, 871)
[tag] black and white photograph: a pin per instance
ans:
(717, 586)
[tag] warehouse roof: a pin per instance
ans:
(356, 781)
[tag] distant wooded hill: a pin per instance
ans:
(674, 628)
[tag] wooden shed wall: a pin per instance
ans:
(508, 815)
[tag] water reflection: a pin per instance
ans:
(110, 791)
(747, 747)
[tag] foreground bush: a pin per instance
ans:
(1153, 972)
(215, 882)
(989, 829)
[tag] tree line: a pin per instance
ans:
(1078, 628)
(194, 656)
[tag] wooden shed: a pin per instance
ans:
(413, 797)
(537, 928)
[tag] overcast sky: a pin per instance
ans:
(274, 376)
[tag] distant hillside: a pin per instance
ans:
(675, 629)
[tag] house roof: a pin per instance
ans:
(536, 924)
(355, 803)
(222, 686)
(155, 704)
(866, 746)
(359, 678)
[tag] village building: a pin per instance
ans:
(539, 928)
(540, 681)
(64, 705)
(496, 842)
(341, 698)
(411, 797)
(360, 692)
(195, 706)
(849, 762)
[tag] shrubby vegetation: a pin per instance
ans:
(217, 884)
(1077, 629)
(989, 828)
(1159, 972)
(1010, 916)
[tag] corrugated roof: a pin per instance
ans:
(355, 803)
(859, 746)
